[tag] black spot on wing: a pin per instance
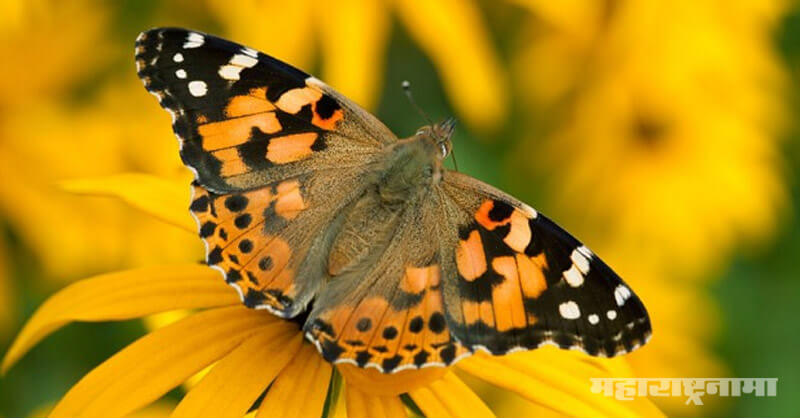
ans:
(326, 106)
(236, 203)
(200, 204)
(500, 211)
(253, 298)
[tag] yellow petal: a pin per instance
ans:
(455, 37)
(124, 295)
(373, 382)
(356, 72)
(449, 396)
(553, 384)
(145, 370)
(361, 405)
(300, 389)
(163, 199)
(236, 381)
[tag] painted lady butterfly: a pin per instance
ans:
(311, 208)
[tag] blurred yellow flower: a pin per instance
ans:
(34, 72)
(353, 35)
(660, 124)
(34, 69)
(46, 136)
(253, 350)
(667, 121)
(75, 235)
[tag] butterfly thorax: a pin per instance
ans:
(415, 164)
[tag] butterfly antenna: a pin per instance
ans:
(407, 90)
(453, 154)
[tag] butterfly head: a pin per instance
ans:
(439, 135)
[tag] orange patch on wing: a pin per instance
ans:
(416, 279)
(478, 311)
(531, 274)
(232, 164)
(519, 234)
(232, 132)
(507, 296)
(249, 104)
(289, 148)
(482, 216)
(470, 258)
(279, 251)
(290, 201)
(293, 100)
(327, 124)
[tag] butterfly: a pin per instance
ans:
(312, 209)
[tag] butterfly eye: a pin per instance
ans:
(428, 171)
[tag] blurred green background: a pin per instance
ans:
(662, 134)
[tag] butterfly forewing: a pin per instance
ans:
(516, 280)
(245, 119)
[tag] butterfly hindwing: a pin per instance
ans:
(270, 242)
(516, 280)
(383, 305)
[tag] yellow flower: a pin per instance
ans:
(660, 124)
(353, 36)
(34, 71)
(48, 45)
(666, 121)
(252, 351)
(45, 136)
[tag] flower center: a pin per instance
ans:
(374, 382)
(650, 130)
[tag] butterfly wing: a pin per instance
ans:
(513, 280)
(382, 306)
(245, 119)
(276, 154)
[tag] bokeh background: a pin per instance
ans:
(662, 133)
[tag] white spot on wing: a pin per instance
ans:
(250, 51)
(531, 211)
(198, 88)
(612, 314)
(594, 319)
(573, 277)
(243, 60)
(235, 66)
(180, 73)
(177, 57)
(580, 260)
(621, 294)
(586, 252)
(229, 72)
(193, 40)
(569, 310)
